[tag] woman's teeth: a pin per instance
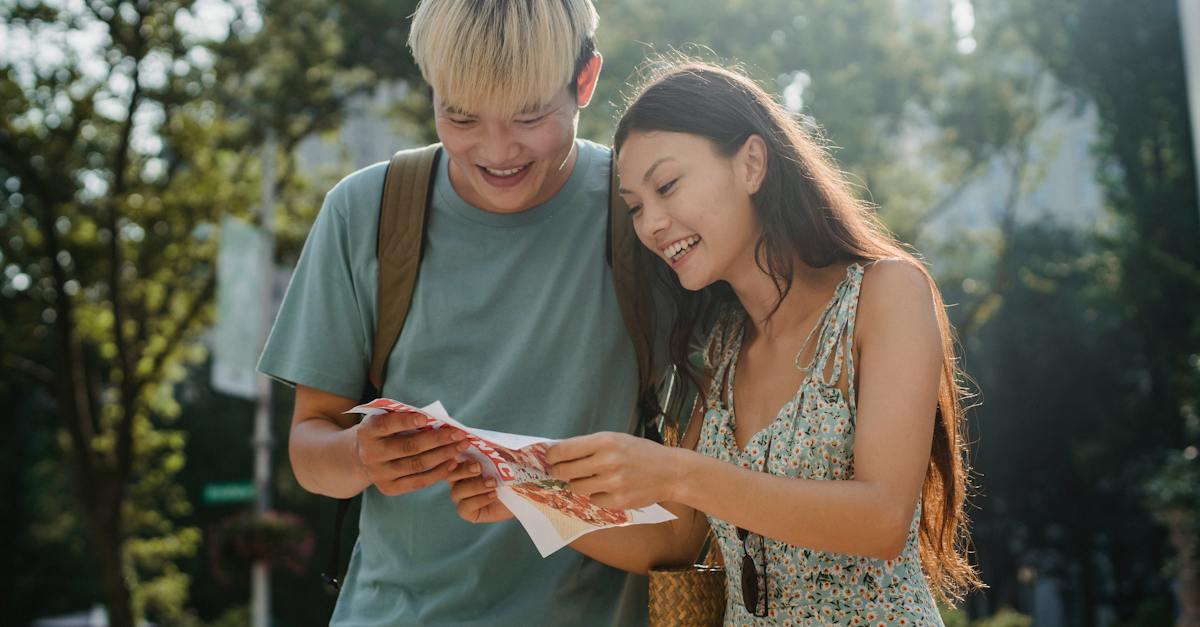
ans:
(676, 250)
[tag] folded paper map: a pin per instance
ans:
(550, 512)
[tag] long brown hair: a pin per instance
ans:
(807, 211)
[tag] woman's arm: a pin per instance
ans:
(638, 548)
(900, 365)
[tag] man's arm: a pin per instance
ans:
(334, 456)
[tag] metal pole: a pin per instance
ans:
(260, 586)
(1189, 21)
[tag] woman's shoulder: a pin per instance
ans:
(895, 293)
(894, 273)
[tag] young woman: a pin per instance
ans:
(829, 460)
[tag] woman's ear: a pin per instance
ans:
(752, 163)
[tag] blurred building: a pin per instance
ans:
(371, 133)
(1059, 183)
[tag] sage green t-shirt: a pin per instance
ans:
(515, 327)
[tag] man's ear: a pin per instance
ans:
(752, 159)
(586, 85)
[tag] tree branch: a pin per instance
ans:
(947, 201)
(973, 318)
(181, 331)
(39, 374)
(116, 260)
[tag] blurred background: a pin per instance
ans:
(161, 162)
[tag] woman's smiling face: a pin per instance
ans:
(691, 205)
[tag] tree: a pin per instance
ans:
(117, 164)
(1083, 354)
(1128, 60)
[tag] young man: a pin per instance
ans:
(514, 326)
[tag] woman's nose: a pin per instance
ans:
(648, 223)
(656, 220)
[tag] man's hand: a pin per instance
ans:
(399, 463)
(475, 496)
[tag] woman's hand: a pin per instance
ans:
(475, 495)
(617, 470)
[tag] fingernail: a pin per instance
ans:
(475, 468)
(458, 435)
(491, 483)
(464, 446)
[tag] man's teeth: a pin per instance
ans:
(495, 172)
(678, 248)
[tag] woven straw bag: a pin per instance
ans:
(688, 595)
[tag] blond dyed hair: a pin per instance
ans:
(502, 55)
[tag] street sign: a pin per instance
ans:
(225, 493)
(237, 337)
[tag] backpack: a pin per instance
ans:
(401, 235)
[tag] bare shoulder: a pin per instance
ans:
(896, 295)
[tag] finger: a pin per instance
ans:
(419, 481)
(413, 444)
(423, 462)
(396, 422)
(590, 486)
(572, 470)
(465, 470)
(469, 488)
(471, 508)
(604, 499)
(570, 449)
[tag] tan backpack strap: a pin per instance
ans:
(623, 244)
(401, 236)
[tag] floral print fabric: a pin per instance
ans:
(812, 437)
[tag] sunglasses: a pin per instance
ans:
(750, 593)
(752, 596)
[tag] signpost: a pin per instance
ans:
(228, 493)
(246, 283)
(1189, 21)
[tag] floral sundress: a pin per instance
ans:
(812, 437)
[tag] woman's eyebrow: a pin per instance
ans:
(648, 174)
(654, 166)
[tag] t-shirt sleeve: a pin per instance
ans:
(319, 336)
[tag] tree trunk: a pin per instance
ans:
(110, 557)
(94, 484)
(1182, 531)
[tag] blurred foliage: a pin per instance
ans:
(1006, 617)
(280, 539)
(863, 72)
(128, 130)
(1176, 485)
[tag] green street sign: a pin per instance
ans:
(222, 493)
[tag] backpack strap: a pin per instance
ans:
(402, 213)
